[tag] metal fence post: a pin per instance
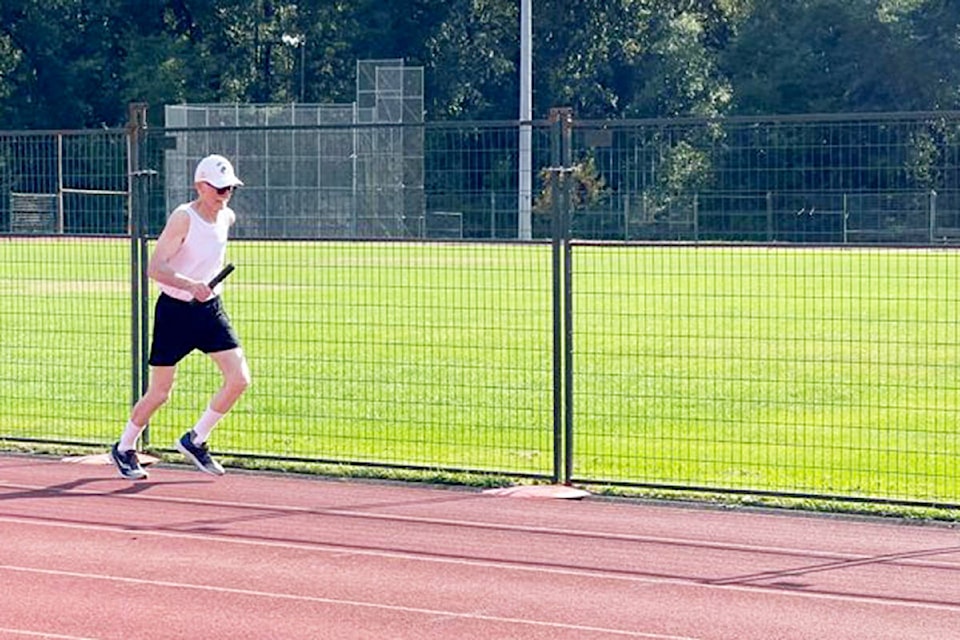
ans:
(61, 219)
(846, 215)
(933, 216)
(696, 217)
(770, 234)
(136, 123)
(562, 181)
(567, 180)
(556, 261)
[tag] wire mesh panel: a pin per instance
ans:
(835, 179)
(65, 182)
(815, 371)
(316, 170)
(65, 274)
(93, 187)
(29, 178)
(65, 338)
(472, 174)
(410, 354)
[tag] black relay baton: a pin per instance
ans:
(220, 277)
(217, 279)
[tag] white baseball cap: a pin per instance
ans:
(218, 171)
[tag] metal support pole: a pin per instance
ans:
(303, 60)
(567, 185)
(61, 225)
(136, 199)
(770, 233)
(846, 215)
(525, 175)
(557, 262)
(696, 218)
(933, 215)
(561, 184)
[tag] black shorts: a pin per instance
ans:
(180, 327)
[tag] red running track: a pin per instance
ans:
(85, 554)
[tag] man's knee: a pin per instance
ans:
(158, 395)
(240, 382)
(239, 379)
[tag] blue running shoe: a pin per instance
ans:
(198, 454)
(127, 463)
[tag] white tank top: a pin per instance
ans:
(201, 255)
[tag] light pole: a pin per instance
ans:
(299, 41)
(525, 178)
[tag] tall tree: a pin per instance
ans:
(61, 68)
(632, 57)
(77, 63)
(809, 56)
(471, 58)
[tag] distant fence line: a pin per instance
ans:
(878, 179)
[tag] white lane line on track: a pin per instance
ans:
(335, 550)
(40, 634)
(340, 602)
(504, 565)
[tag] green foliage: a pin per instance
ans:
(822, 56)
(587, 187)
(73, 63)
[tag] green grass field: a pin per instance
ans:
(819, 371)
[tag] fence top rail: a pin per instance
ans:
(492, 124)
(770, 245)
(352, 126)
(891, 116)
(46, 133)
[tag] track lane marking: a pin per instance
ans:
(272, 595)
(505, 565)
(356, 513)
(41, 634)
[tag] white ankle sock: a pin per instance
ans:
(205, 425)
(128, 440)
